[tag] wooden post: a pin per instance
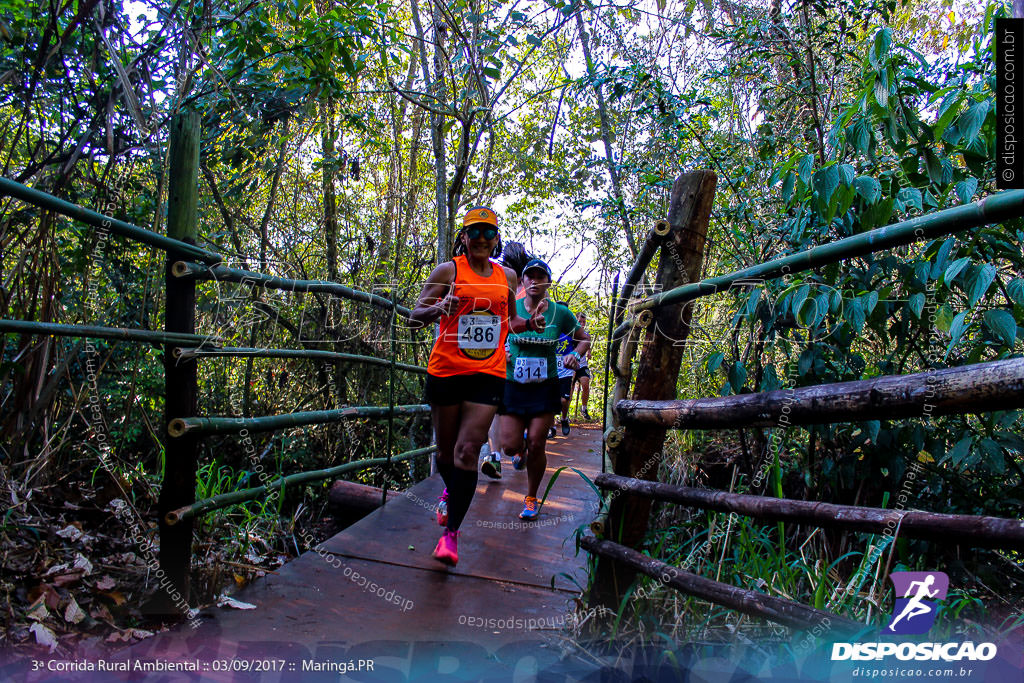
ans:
(391, 394)
(180, 459)
(639, 451)
(607, 366)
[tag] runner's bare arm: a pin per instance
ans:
(437, 297)
(515, 323)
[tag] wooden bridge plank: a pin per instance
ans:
(317, 606)
(494, 541)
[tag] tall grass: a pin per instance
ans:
(791, 561)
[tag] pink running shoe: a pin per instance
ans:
(447, 550)
(442, 509)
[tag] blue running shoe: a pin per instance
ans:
(519, 461)
(529, 508)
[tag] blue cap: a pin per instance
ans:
(537, 263)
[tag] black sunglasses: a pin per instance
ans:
(474, 232)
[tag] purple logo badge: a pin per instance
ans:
(917, 598)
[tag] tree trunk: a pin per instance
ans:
(330, 171)
(639, 452)
(436, 87)
(179, 482)
(606, 138)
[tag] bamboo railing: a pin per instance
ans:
(309, 476)
(196, 271)
(992, 209)
(186, 264)
(995, 385)
(97, 220)
(99, 332)
(226, 425)
(185, 353)
(968, 530)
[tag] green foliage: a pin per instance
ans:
(849, 122)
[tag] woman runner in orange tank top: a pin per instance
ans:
(474, 299)
(472, 338)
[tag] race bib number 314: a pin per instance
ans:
(530, 370)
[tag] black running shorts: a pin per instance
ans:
(565, 385)
(476, 388)
(531, 400)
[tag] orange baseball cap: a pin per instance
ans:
(480, 214)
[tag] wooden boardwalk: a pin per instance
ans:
(373, 592)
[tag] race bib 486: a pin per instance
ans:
(479, 334)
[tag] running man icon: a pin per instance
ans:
(917, 597)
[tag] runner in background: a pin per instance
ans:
(531, 391)
(513, 256)
(583, 376)
(565, 377)
(473, 297)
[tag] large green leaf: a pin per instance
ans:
(965, 190)
(826, 180)
(959, 451)
(846, 174)
(798, 299)
(911, 196)
(970, 121)
(939, 265)
(868, 188)
(880, 47)
(1015, 288)
(916, 304)
(948, 110)
(956, 329)
(805, 167)
(871, 300)
(715, 361)
(787, 187)
(881, 92)
(346, 60)
(954, 269)
(854, 314)
(859, 135)
(1002, 325)
(980, 283)
(933, 166)
(737, 376)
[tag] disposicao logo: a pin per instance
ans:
(917, 599)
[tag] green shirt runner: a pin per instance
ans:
(531, 355)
